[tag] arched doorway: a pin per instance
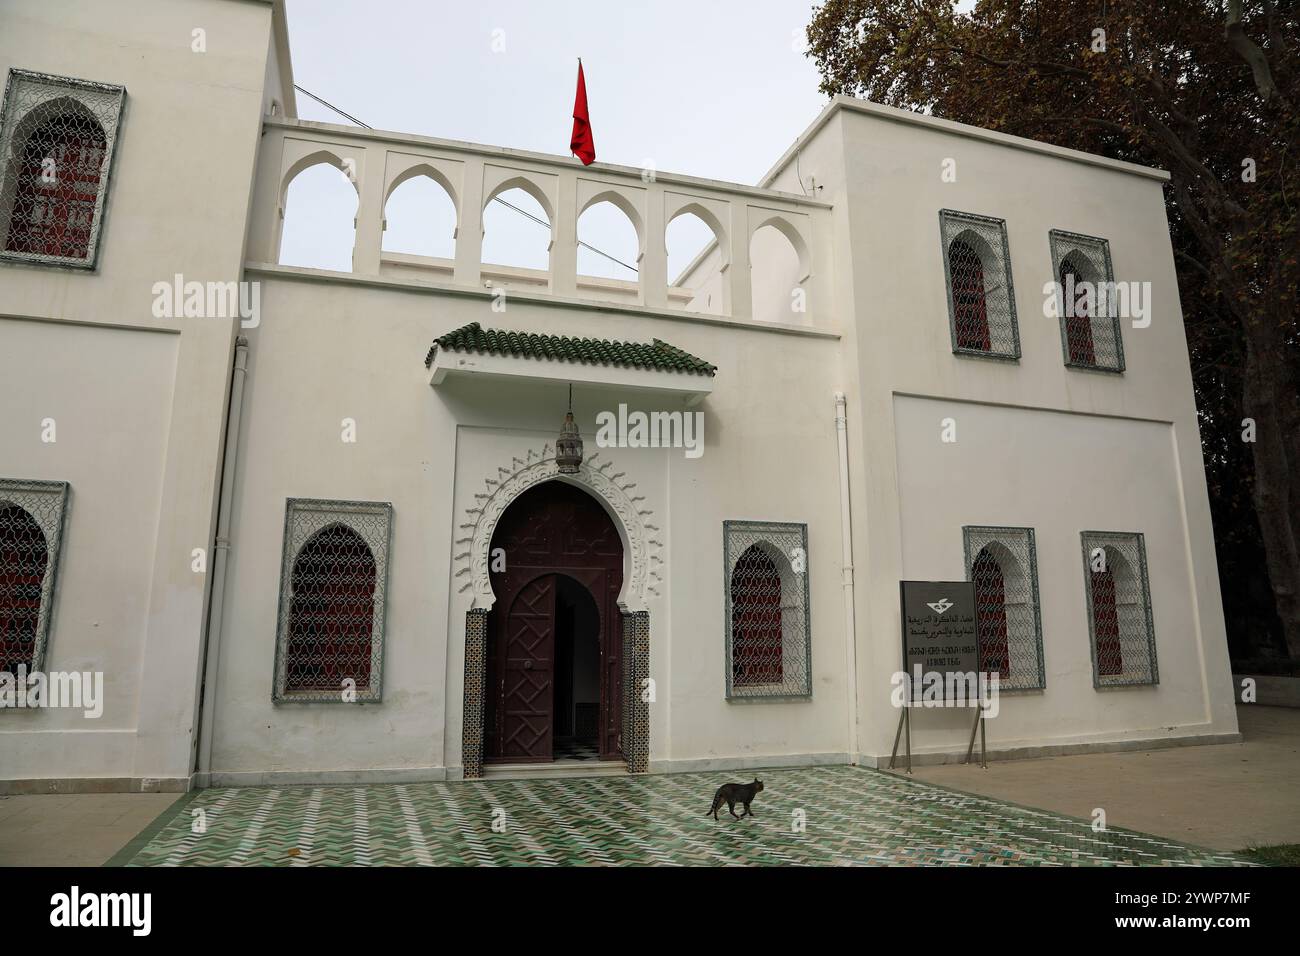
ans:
(554, 635)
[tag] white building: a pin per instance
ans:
(276, 542)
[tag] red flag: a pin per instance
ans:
(581, 143)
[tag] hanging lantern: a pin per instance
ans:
(568, 447)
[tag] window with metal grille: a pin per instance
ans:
(31, 530)
(755, 619)
(981, 297)
(1120, 623)
(1078, 324)
(333, 584)
(57, 137)
(768, 646)
(1003, 565)
(969, 297)
(1087, 302)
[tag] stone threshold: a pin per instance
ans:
(558, 769)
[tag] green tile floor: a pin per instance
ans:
(851, 816)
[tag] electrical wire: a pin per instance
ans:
(522, 212)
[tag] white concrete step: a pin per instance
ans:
(558, 768)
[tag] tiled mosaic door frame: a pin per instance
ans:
(641, 547)
(636, 690)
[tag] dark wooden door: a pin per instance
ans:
(527, 662)
(553, 528)
(603, 586)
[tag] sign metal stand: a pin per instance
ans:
(904, 720)
(930, 638)
(979, 722)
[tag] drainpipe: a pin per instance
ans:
(846, 571)
(220, 552)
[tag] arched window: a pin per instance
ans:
(991, 615)
(696, 282)
(766, 628)
(1003, 565)
(331, 612)
(776, 276)
(333, 595)
(608, 244)
(57, 137)
(1090, 326)
(24, 557)
(970, 306)
(1078, 318)
(56, 187)
(420, 219)
(517, 234)
(1105, 623)
(755, 620)
(981, 296)
(319, 227)
(1119, 608)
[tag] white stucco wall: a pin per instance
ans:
(140, 400)
(329, 350)
(111, 452)
(887, 182)
(140, 403)
(1059, 474)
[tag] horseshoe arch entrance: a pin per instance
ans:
(567, 554)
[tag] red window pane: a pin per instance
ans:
(1105, 624)
(970, 306)
(23, 558)
(1078, 322)
(756, 620)
(991, 615)
(331, 613)
(58, 184)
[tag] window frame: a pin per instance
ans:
(978, 222)
(983, 535)
(1062, 243)
(107, 103)
(372, 521)
(47, 503)
(780, 536)
(1089, 541)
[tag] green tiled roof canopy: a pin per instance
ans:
(658, 355)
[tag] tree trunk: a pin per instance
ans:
(1271, 396)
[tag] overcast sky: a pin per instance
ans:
(714, 89)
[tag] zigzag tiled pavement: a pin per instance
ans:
(853, 817)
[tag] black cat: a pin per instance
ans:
(734, 793)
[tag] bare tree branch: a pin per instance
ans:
(1249, 51)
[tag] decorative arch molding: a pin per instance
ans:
(541, 186)
(978, 245)
(642, 577)
(711, 212)
(45, 111)
(1084, 269)
(350, 167)
(593, 194)
(403, 168)
(795, 232)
